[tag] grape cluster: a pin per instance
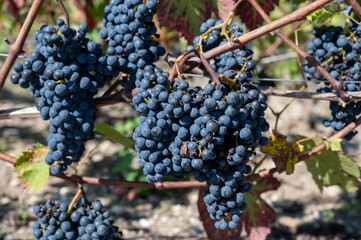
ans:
(209, 132)
(81, 223)
(65, 71)
(130, 30)
(339, 53)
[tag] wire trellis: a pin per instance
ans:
(272, 79)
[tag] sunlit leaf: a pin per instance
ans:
(332, 168)
(334, 145)
(327, 13)
(33, 171)
(224, 7)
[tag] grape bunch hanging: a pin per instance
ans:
(65, 70)
(209, 132)
(82, 221)
(338, 50)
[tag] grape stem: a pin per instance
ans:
(214, 75)
(75, 199)
(65, 12)
(16, 48)
(181, 60)
(83, 195)
(222, 26)
(311, 61)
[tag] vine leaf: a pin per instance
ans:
(259, 216)
(185, 16)
(332, 168)
(224, 7)
(90, 21)
(298, 1)
(33, 171)
(326, 13)
(334, 145)
(212, 232)
(125, 161)
(249, 15)
(114, 135)
(245, 11)
(128, 126)
(284, 155)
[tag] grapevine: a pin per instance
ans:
(201, 135)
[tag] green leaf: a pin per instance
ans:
(129, 125)
(334, 145)
(298, 1)
(327, 13)
(315, 15)
(114, 135)
(33, 171)
(132, 175)
(125, 161)
(332, 168)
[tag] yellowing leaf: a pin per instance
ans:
(284, 155)
(33, 171)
